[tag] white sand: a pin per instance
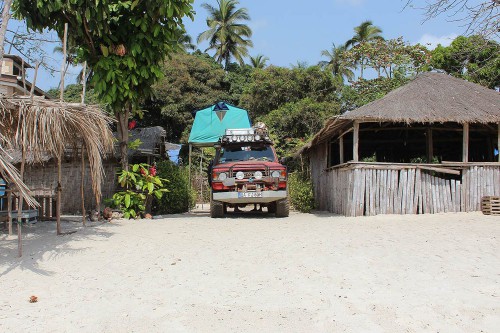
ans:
(306, 273)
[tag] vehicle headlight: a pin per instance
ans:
(235, 138)
(250, 138)
(258, 175)
(275, 174)
(222, 176)
(257, 137)
(240, 175)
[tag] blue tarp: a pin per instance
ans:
(211, 123)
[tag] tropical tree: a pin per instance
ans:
(124, 43)
(365, 32)
(272, 87)
(259, 61)
(473, 58)
(481, 17)
(393, 56)
(185, 42)
(336, 64)
(227, 35)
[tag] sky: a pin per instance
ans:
(292, 31)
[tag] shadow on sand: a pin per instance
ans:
(40, 243)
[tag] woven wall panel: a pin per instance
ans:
(45, 177)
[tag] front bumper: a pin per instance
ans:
(249, 197)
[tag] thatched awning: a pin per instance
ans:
(45, 127)
(429, 98)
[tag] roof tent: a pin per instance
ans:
(209, 126)
(211, 123)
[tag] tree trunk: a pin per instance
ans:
(3, 28)
(362, 67)
(122, 118)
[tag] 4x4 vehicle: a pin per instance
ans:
(245, 171)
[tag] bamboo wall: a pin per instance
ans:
(43, 179)
(356, 189)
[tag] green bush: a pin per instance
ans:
(178, 199)
(139, 185)
(301, 192)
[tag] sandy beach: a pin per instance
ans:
(253, 273)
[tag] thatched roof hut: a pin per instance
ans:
(45, 127)
(429, 146)
(429, 98)
(39, 127)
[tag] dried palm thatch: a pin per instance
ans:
(429, 98)
(10, 173)
(42, 127)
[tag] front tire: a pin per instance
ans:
(216, 209)
(282, 208)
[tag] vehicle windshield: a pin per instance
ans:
(246, 153)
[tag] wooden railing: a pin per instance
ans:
(355, 189)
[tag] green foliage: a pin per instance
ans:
(139, 184)
(189, 83)
(293, 123)
(473, 58)
(227, 34)
(73, 94)
(301, 192)
(178, 199)
(364, 91)
(390, 57)
(123, 42)
(273, 87)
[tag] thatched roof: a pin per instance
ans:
(433, 98)
(151, 138)
(45, 127)
(11, 175)
(429, 98)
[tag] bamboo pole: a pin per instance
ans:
(341, 149)
(355, 144)
(9, 209)
(32, 91)
(84, 81)
(58, 203)
(65, 38)
(498, 142)
(20, 207)
(23, 75)
(430, 146)
(465, 143)
(189, 173)
(201, 177)
(82, 189)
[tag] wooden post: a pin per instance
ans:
(32, 90)
(84, 81)
(65, 38)
(355, 143)
(430, 146)
(341, 149)
(20, 207)
(189, 173)
(498, 142)
(82, 189)
(9, 209)
(59, 189)
(201, 177)
(465, 143)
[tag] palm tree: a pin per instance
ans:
(184, 40)
(335, 63)
(226, 33)
(365, 32)
(259, 61)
